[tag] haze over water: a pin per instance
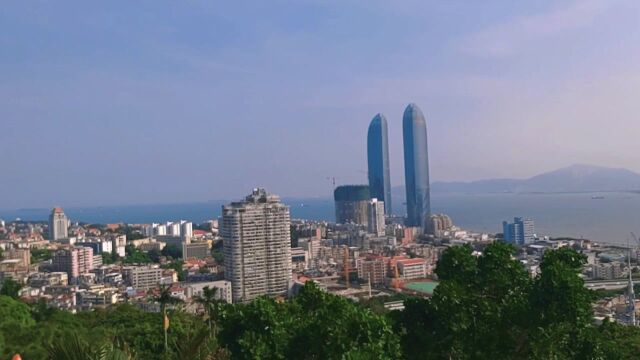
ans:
(573, 214)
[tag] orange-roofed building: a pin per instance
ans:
(113, 226)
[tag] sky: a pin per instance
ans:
(120, 102)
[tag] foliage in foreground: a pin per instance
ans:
(489, 307)
(314, 325)
(485, 307)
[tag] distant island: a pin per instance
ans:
(574, 178)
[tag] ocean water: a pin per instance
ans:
(578, 215)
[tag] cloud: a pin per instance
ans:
(508, 38)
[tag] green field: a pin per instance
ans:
(426, 287)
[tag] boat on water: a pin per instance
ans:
(597, 197)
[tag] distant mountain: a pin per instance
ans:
(575, 178)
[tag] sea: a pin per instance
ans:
(603, 217)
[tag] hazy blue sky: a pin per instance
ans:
(123, 102)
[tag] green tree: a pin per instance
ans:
(210, 303)
(314, 325)
(177, 266)
(16, 328)
(135, 255)
(489, 307)
(110, 257)
(10, 288)
(561, 309)
(39, 255)
(154, 255)
(172, 251)
(74, 348)
(165, 298)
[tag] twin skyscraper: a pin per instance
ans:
(416, 164)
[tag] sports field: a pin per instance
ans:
(426, 287)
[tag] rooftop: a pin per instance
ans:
(412, 261)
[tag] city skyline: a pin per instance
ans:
(165, 100)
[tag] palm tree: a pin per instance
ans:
(209, 301)
(165, 298)
(73, 348)
(198, 344)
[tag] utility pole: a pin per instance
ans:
(346, 266)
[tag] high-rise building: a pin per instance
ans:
(118, 244)
(438, 224)
(173, 229)
(97, 244)
(378, 161)
(352, 204)
(160, 230)
(520, 232)
(73, 261)
(373, 269)
(416, 166)
(58, 225)
(376, 212)
(186, 229)
(257, 246)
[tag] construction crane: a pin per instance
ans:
(333, 180)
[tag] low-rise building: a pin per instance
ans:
(607, 271)
(223, 289)
(412, 269)
(142, 277)
(195, 250)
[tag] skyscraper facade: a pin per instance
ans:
(520, 232)
(376, 223)
(257, 246)
(352, 204)
(416, 166)
(378, 161)
(58, 225)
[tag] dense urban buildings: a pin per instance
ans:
(520, 231)
(58, 225)
(378, 161)
(352, 204)
(257, 246)
(416, 166)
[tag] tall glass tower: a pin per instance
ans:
(378, 161)
(416, 166)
